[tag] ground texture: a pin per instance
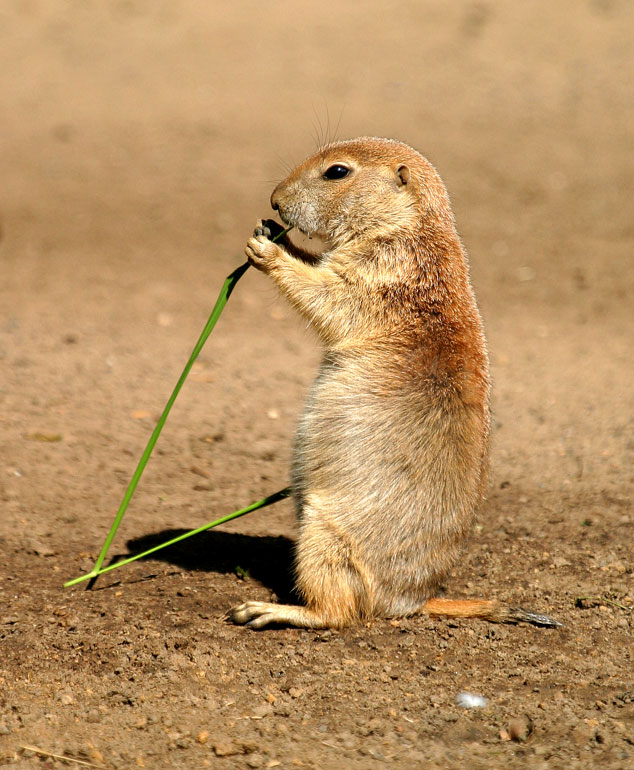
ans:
(139, 143)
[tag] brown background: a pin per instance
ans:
(139, 142)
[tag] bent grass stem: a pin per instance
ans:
(283, 493)
(225, 293)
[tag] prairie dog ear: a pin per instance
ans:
(403, 175)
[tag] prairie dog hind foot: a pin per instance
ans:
(258, 615)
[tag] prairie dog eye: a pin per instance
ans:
(336, 171)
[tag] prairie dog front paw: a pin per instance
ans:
(269, 228)
(261, 252)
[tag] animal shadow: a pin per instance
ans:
(269, 560)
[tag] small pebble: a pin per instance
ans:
(41, 549)
(470, 700)
(140, 414)
(225, 749)
(203, 486)
(519, 729)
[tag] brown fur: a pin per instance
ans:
(390, 455)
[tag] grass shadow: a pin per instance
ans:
(269, 560)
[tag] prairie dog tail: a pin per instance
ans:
(491, 610)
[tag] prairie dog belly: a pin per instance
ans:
(380, 467)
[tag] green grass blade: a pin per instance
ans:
(224, 295)
(283, 493)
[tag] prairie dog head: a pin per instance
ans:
(361, 187)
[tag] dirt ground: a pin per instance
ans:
(139, 142)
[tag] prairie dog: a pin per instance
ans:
(390, 455)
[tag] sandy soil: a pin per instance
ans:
(139, 142)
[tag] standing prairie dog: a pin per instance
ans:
(390, 455)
